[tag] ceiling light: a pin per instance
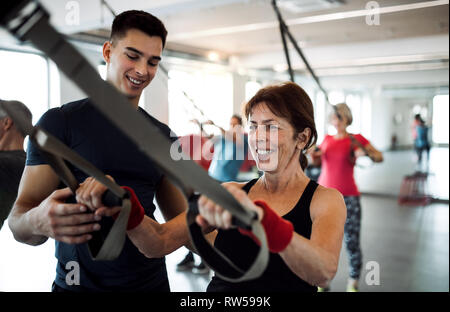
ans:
(213, 56)
(280, 68)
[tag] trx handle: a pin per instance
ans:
(358, 144)
(55, 152)
(31, 23)
(109, 199)
(101, 247)
(216, 260)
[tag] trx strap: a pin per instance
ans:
(28, 21)
(55, 152)
(358, 144)
(286, 34)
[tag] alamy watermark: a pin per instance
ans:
(73, 276)
(373, 13)
(72, 17)
(372, 277)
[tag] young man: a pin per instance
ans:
(12, 156)
(132, 55)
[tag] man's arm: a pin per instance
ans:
(156, 240)
(40, 211)
(153, 239)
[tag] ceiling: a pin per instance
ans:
(245, 33)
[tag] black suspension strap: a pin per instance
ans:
(28, 21)
(55, 152)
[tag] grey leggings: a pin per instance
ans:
(351, 235)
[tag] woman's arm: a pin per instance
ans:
(315, 260)
(373, 153)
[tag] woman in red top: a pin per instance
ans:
(338, 154)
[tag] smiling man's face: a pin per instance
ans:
(132, 62)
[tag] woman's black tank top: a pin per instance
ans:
(242, 251)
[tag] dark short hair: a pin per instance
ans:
(289, 101)
(239, 118)
(141, 20)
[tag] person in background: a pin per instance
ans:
(230, 148)
(338, 154)
(421, 142)
(12, 156)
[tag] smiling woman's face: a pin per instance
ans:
(271, 140)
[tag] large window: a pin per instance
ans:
(354, 103)
(24, 78)
(251, 88)
(360, 108)
(440, 119)
(335, 97)
(199, 95)
(321, 118)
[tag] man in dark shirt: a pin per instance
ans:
(132, 56)
(12, 157)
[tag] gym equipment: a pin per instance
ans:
(55, 152)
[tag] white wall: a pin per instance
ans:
(157, 98)
(239, 82)
(68, 90)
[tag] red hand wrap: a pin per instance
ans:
(279, 232)
(137, 212)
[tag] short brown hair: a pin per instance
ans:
(238, 118)
(289, 101)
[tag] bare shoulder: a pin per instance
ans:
(323, 193)
(327, 201)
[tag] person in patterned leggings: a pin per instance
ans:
(338, 154)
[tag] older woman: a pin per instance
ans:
(338, 154)
(304, 222)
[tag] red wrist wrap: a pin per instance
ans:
(137, 212)
(279, 232)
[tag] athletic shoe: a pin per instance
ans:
(352, 288)
(187, 263)
(200, 269)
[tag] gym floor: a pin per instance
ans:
(405, 248)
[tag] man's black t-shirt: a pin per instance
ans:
(11, 169)
(81, 127)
